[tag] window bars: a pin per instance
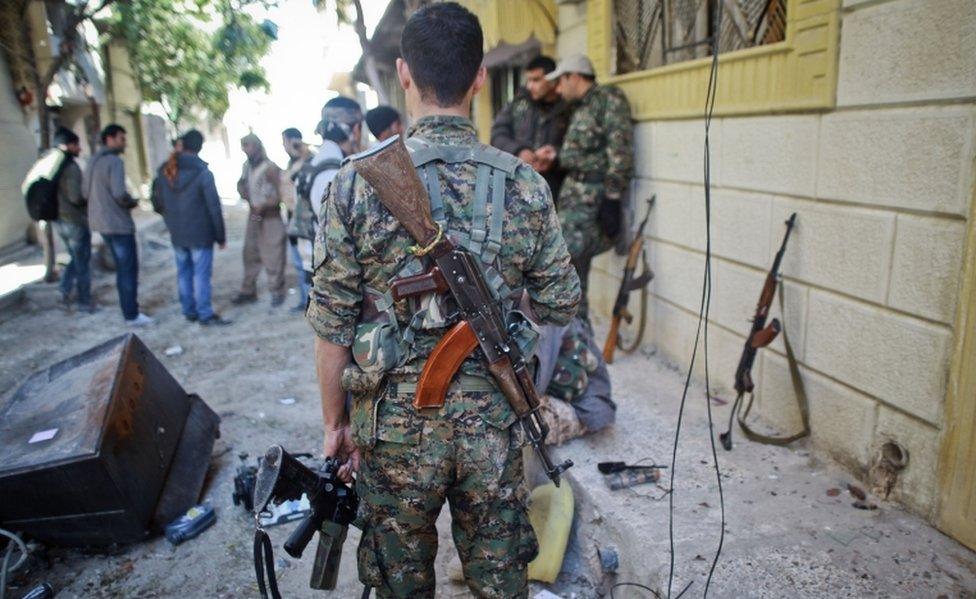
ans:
(652, 33)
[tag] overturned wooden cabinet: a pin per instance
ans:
(104, 447)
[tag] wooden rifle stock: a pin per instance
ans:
(611, 343)
(389, 170)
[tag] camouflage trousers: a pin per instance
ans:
(578, 206)
(467, 453)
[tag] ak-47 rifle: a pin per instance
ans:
(760, 336)
(389, 170)
(628, 284)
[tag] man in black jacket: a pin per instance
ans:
(537, 117)
(191, 208)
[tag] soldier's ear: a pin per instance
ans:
(403, 74)
(479, 80)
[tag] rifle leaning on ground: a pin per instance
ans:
(760, 336)
(390, 171)
(628, 284)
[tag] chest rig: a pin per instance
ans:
(381, 345)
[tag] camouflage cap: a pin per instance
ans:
(339, 116)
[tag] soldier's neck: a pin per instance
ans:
(462, 110)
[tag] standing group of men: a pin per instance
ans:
(574, 139)
(96, 201)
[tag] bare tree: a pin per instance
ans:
(69, 36)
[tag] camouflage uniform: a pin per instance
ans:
(527, 125)
(467, 452)
(598, 156)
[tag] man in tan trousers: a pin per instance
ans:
(265, 241)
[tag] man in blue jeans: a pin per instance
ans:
(72, 224)
(190, 206)
(109, 207)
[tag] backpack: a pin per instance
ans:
(40, 186)
(304, 220)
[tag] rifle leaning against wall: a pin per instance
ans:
(390, 171)
(627, 284)
(760, 336)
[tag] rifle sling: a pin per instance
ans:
(264, 562)
(798, 389)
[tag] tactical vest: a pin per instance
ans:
(380, 346)
(304, 221)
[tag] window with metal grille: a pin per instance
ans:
(653, 33)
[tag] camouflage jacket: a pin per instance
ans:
(600, 139)
(360, 245)
(524, 124)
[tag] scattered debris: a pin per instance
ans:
(833, 492)
(41, 591)
(632, 477)
(857, 492)
(718, 400)
(287, 401)
(865, 505)
(196, 520)
(244, 482)
(173, 350)
(544, 594)
(286, 511)
(609, 560)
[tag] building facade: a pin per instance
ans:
(858, 115)
(97, 87)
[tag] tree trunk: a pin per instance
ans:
(369, 61)
(373, 75)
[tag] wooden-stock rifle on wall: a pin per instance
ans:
(627, 284)
(761, 335)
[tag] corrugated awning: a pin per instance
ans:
(514, 22)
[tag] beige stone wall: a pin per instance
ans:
(882, 186)
(19, 153)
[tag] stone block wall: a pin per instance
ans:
(882, 186)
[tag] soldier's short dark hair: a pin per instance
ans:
(111, 131)
(192, 141)
(292, 133)
(380, 118)
(543, 62)
(443, 44)
(64, 136)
